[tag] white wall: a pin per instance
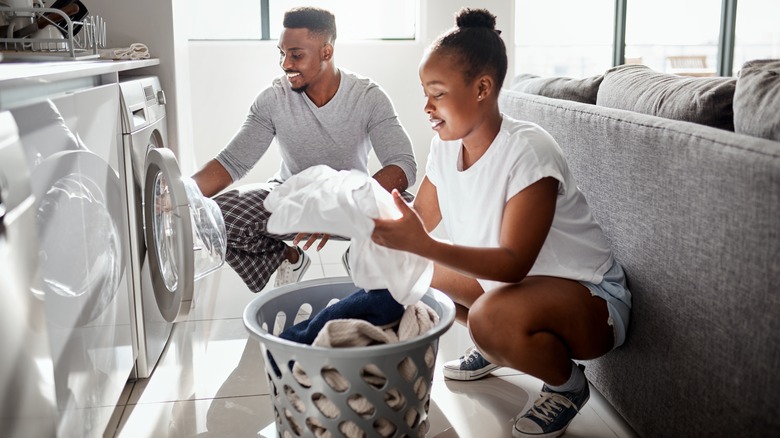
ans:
(225, 77)
(161, 26)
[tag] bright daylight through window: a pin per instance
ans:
(243, 19)
(576, 39)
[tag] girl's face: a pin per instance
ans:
(451, 103)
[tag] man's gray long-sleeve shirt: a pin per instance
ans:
(339, 134)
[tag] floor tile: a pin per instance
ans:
(334, 270)
(332, 252)
(609, 415)
(226, 297)
(205, 359)
(219, 417)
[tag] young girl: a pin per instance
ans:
(529, 268)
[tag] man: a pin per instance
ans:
(319, 114)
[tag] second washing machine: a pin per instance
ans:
(70, 145)
(177, 235)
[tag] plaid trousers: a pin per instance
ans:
(253, 252)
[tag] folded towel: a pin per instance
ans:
(135, 51)
(376, 307)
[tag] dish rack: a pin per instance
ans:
(83, 45)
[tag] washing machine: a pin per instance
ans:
(70, 146)
(27, 403)
(177, 235)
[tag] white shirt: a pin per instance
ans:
(472, 201)
(343, 203)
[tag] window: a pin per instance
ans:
(694, 37)
(366, 20)
(563, 37)
(243, 19)
(757, 34)
(225, 20)
(673, 36)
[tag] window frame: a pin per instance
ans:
(726, 37)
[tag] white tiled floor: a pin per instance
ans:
(210, 381)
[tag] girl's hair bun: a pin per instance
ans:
(468, 17)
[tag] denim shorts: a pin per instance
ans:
(614, 291)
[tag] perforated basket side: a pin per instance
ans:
(381, 390)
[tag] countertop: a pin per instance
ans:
(22, 83)
(22, 73)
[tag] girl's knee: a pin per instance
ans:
(498, 322)
(479, 320)
(485, 324)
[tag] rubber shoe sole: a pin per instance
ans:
(458, 374)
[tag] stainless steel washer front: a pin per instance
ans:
(166, 237)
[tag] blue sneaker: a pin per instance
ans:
(471, 366)
(551, 413)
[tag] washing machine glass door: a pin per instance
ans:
(168, 234)
(80, 217)
(185, 233)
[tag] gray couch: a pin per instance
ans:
(693, 214)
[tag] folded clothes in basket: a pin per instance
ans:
(135, 51)
(415, 321)
(376, 307)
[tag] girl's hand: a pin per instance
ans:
(311, 238)
(406, 233)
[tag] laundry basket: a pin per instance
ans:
(373, 391)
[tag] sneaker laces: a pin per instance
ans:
(549, 405)
(471, 355)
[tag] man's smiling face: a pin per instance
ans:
(302, 57)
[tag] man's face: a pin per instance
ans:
(303, 56)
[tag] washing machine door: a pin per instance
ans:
(168, 234)
(185, 233)
(81, 219)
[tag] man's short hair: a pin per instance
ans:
(317, 20)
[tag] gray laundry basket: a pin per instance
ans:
(379, 390)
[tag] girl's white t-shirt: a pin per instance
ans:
(472, 201)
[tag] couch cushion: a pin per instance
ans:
(757, 99)
(579, 90)
(707, 101)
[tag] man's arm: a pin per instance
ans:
(392, 177)
(391, 143)
(244, 149)
(212, 178)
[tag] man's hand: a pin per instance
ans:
(311, 239)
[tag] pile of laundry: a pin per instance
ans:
(345, 203)
(361, 319)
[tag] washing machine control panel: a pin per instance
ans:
(143, 102)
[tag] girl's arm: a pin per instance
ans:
(426, 204)
(527, 219)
